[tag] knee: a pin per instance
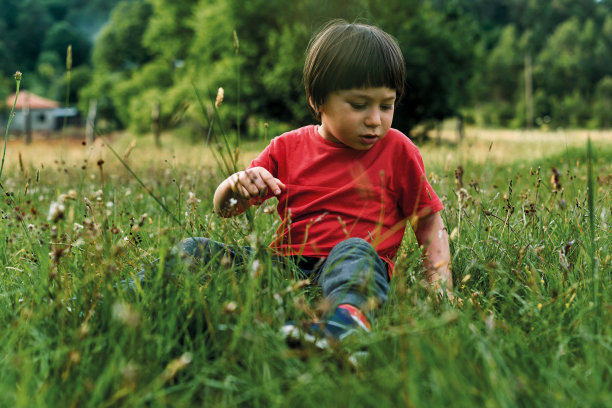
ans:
(191, 247)
(355, 255)
(354, 246)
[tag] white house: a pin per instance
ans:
(44, 114)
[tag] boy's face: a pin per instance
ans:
(357, 118)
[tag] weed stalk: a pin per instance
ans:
(68, 70)
(237, 51)
(148, 190)
(591, 207)
(10, 119)
(8, 124)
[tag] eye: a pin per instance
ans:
(386, 107)
(357, 106)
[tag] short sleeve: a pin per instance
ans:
(268, 158)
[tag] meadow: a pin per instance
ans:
(529, 216)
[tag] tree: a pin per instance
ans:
(120, 44)
(60, 36)
(26, 38)
(439, 58)
(169, 31)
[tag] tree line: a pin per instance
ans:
(510, 63)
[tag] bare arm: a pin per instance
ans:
(431, 235)
(233, 194)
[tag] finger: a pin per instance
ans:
(247, 181)
(281, 184)
(257, 180)
(273, 183)
(237, 187)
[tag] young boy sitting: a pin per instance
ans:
(346, 188)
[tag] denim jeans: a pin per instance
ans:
(352, 273)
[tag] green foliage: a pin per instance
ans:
(570, 46)
(119, 46)
(602, 107)
(60, 36)
(439, 54)
(34, 35)
(464, 57)
(80, 77)
(255, 51)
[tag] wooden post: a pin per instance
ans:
(528, 92)
(91, 121)
(460, 128)
(155, 119)
(27, 117)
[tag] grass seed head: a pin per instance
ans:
(69, 58)
(125, 313)
(219, 99)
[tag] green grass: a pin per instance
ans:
(534, 327)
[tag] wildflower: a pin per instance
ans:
(124, 313)
(230, 307)
(219, 99)
(192, 199)
(56, 211)
(463, 196)
(175, 365)
(17, 75)
(555, 180)
(130, 373)
(256, 268)
(459, 177)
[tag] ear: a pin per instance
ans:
(312, 105)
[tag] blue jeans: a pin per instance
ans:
(352, 273)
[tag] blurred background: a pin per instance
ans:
(155, 65)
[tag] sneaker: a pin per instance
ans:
(338, 326)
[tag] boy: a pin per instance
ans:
(347, 187)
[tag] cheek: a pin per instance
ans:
(388, 118)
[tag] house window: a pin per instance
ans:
(41, 118)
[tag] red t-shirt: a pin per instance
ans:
(335, 192)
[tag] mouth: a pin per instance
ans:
(369, 139)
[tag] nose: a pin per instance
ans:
(373, 118)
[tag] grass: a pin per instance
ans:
(534, 327)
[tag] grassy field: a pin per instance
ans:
(531, 247)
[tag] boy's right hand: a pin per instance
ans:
(255, 182)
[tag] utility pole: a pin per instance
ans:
(27, 116)
(91, 120)
(528, 92)
(155, 122)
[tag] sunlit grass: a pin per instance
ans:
(527, 332)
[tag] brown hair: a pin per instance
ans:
(346, 56)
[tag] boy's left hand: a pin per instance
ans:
(255, 182)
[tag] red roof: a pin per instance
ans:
(35, 101)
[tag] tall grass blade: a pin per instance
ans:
(67, 98)
(591, 207)
(10, 119)
(148, 190)
(11, 201)
(237, 51)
